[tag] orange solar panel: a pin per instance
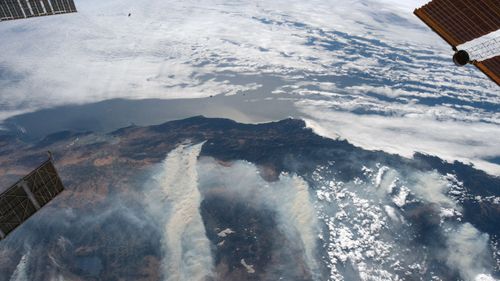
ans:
(461, 21)
(490, 67)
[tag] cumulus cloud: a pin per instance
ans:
(369, 228)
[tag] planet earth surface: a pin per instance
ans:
(213, 199)
(249, 140)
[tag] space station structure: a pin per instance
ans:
(471, 27)
(20, 9)
(27, 196)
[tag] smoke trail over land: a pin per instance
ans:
(288, 198)
(298, 213)
(256, 202)
(21, 274)
(176, 202)
(468, 253)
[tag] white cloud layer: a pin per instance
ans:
(100, 53)
(405, 135)
(337, 59)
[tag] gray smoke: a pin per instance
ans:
(468, 252)
(175, 202)
(289, 197)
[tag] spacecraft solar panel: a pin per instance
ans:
(19, 9)
(27, 196)
(461, 21)
(490, 67)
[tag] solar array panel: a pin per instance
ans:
(490, 67)
(27, 196)
(461, 21)
(19, 9)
